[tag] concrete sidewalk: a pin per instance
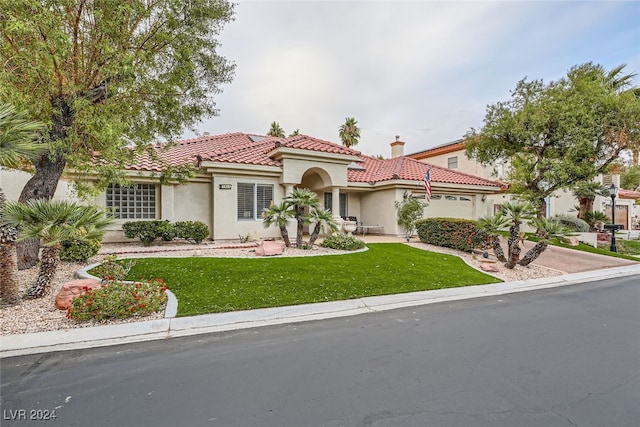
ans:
(42, 342)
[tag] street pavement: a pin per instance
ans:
(567, 356)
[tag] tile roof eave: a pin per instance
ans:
(244, 168)
(300, 153)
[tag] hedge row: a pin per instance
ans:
(148, 231)
(456, 233)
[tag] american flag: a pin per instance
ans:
(427, 184)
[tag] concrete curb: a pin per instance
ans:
(42, 342)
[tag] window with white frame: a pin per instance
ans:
(328, 202)
(137, 201)
(253, 199)
(452, 162)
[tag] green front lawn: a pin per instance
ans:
(213, 285)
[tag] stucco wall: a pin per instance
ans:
(226, 225)
(377, 208)
(12, 182)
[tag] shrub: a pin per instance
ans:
(191, 230)
(119, 300)
(592, 217)
(342, 242)
(456, 233)
(573, 223)
(167, 232)
(79, 250)
(112, 269)
(146, 231)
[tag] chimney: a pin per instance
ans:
(206, 133)
(397, 148)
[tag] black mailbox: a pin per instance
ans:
(616, 227)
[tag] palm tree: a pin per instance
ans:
(300, 199)
(276, 130)
(492, 225)
(322, 218)
(52, 222)
(546, 229)
(586, 193)
(295, 133)
(516, 213)
(349, 132)
(18, 137)
(279, 215)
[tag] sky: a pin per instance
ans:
(423, 70)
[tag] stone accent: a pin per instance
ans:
(73, 289)
(490, 267)
(270, 248)
(572, 241)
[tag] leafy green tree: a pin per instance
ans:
(17, 143)
(301, 199)
(279, 215)
(586, 193)
(276, 130)
(557, 134)
(349, 132)
(630, 179)
(108, 74)
(52, 222)
(409, 211)
(321, 219)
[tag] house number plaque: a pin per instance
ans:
(224, 186)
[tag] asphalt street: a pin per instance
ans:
(559, 357)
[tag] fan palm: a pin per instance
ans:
(17, 143)
(349, 132)
(586, 193)
(52, 222)
(279, 215)
(276, 130)
(516, 213)
(322, 218)
(302, 198)
(493, 225)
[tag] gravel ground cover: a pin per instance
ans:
(40, 314)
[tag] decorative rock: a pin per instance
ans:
(73, 289)
(270, 248)
(572, 241)
(489, 267)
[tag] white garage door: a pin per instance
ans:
(450, 206)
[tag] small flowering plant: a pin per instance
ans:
(117, 300)
(113, 269)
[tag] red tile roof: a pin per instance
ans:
(629, 194)
(238, 148)
(405, 168)
(439, 149)
(248, 149)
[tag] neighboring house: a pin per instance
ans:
(452, 156)
(241, 174)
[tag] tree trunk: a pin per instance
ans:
(285, 235)
(533, 253)
(497, 249)
(48, 267)
(43, 183)
(586, 205)
(514, 245)
(314, 234)
(8, 261)
(300, 219)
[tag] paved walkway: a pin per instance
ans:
(584, 267)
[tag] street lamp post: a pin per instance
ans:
(613, 191)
